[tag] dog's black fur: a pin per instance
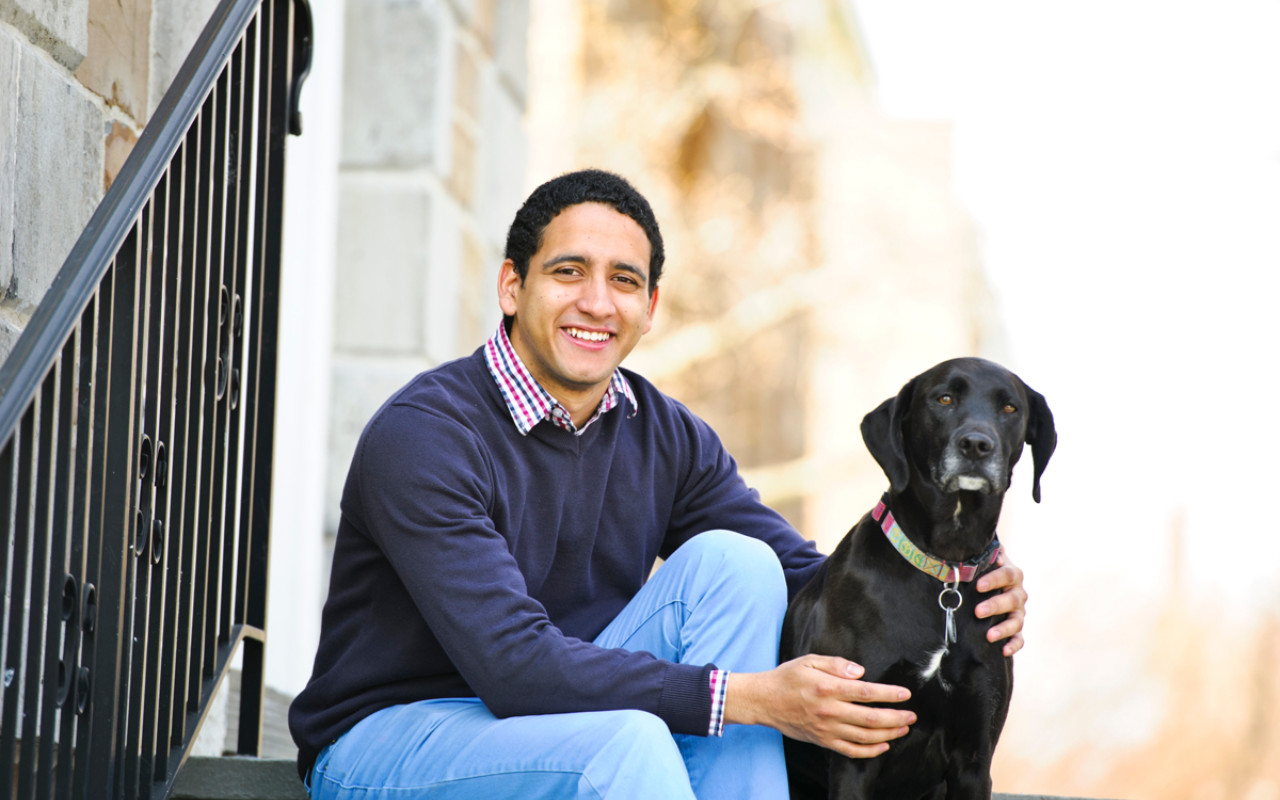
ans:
(948, 443)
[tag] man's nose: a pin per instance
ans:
(596, 298)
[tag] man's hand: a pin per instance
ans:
(819, 699)
(1012, 601)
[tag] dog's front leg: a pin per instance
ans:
(852, 778)
(970, 783)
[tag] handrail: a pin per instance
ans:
(136, 435)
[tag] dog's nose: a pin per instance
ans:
(976, 445)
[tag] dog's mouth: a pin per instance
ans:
(980, 482)
(972, 483)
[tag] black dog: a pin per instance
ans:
(947, 443)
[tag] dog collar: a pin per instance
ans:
(946, 571)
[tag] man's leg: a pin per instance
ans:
(719, 599)
(457, 750)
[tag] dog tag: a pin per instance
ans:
(950, 593)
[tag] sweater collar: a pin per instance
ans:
(529, 403)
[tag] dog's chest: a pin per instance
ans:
(931, 669)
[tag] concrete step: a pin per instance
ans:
(239, 778)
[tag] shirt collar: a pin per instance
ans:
(528, 402)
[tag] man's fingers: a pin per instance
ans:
(858, 742)
(1014, 599)
(851, 750)
(834, 665)
(1014, 644)
(1009, 626)
(1000, 578)
(864, 692)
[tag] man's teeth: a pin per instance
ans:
(590, 336)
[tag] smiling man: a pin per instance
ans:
(492, 629)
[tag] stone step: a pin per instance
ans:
(240, 778)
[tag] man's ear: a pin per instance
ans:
(653, 307)
(509, 285)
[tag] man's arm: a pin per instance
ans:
(820, 699)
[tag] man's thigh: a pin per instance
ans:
(458, 749)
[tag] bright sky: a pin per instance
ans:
(1122, 163)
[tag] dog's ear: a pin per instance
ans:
(1041, 435)
(882, 433)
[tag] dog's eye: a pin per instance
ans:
(1009, 408)
(945, 400)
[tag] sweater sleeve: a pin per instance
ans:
(713, 495)
(423, 488)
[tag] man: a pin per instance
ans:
(491, 628)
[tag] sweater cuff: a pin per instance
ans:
(686, 701)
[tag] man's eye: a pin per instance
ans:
(945, 400)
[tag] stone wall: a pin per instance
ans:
(432, 171)
(78, 81)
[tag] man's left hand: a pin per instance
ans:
(1011, 601)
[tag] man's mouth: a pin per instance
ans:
(588, 336)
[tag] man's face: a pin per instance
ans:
(584, 304)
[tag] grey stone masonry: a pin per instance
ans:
(51, 169)
(432, 171)
(78, 80)
(59, 27)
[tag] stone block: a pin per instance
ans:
(174, 30)
(511, 46)
(361, 384)
(51, 173)
(395, 98)
(440, 310)
(117, 147)
(117, 63)
(58, 27)
(9, 62)
(239, 778)
(13, 320)
(502, 157)
(478, 311)
(462, 165)
(383, 237)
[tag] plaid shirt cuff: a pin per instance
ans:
(719, 685)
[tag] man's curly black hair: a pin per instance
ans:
(584, 186)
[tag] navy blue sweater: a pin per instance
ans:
(472, 561)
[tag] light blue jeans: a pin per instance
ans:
(719, 599)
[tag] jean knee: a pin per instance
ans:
(640, 744)
(750, 567)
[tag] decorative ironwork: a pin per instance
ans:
(136, 416)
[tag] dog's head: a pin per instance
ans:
(961, 426)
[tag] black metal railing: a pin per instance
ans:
(136, 422)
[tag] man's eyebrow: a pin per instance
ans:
(566, 258)
(639, 273)
(574, 258)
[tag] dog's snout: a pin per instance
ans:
(976, 445)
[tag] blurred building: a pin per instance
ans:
(817, 258)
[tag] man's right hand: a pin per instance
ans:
(820, 699)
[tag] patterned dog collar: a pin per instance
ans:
(945, 571)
